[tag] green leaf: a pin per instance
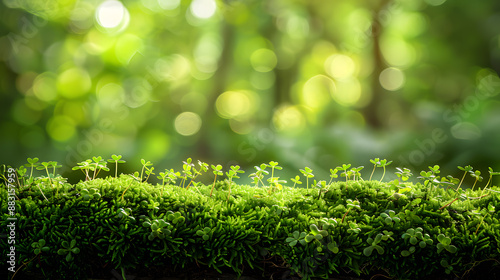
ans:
(368, 251)
(452, 249)
(333, 247)
(413, 240)
(309, 238)
(290, 239)
(293, 243)
(405, 253)
(314, 229)
(380, 250)
(443, 239)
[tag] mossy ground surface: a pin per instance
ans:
(250, 227)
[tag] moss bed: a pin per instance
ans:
(353, 228)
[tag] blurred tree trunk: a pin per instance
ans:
(371, 110)
(219, 86)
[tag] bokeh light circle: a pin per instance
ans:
(187, 123)
(263, 60)
(73, 83)
(61, 128)
(289, 118)
(112, 16)
(203, 9)
(340, 66)
(235, 104)
(317, 91)
(392, 78)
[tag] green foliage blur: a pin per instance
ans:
(304, 83)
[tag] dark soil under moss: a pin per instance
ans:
(484, 271)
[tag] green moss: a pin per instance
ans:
(354, 226)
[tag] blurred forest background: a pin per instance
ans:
(302, 82)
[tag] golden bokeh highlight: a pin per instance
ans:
(340, 66)
(289, 118)
(263, 60)
(348, 92)
(61, 128)
(73, 83)
(187, 123)
(236, 104)
(317, 92)
(392, 78)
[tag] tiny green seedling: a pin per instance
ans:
(321, 186)
(159, 228)
(466, 170)
(333, 174)
(295, 238)
(98, 165)
(45, 166)
(379, 163)
(491, 209)
(233, 173)
(296, 180)
(403, 174)
(39, 247)
(168, 177)
(90, 194)
(345, 174)
(21, 171)
(307, 172)
(276, 183)
(152, 206)
(273, 165)
(85, 167)
(350, 205)
(375, 162)
(186, 170)
(32, 163)
(124, 214)
(217, 170)
(390, 217)
(416, 236)
(476, 175)
(356, 172)
(445, 244)
(258, 175)
(374, 243)
(146, 169)
(196, 173)
(68, 249)
(492, 173)
(116, 159)
(448, 267)
(205, 234)
(176, 218)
